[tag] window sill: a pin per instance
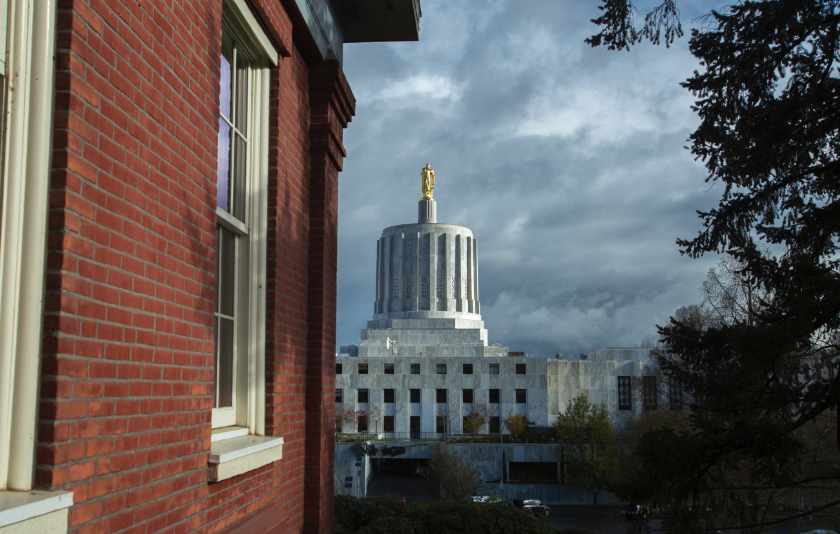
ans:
(24, 512)
(238, 455)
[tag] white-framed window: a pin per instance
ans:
(26, 89)
(241, 215)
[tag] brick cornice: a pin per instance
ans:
(332, 106)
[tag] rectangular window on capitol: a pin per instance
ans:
(624, 393)
(245, 60)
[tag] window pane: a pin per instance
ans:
(495, 425)
(468, 396)
(363, 396)
(441, 396)
(389, 423)
(240, 122)
(339, 396)
(521, 396)
(224, 363)
(415, 368)
(225, 85)
(226, 272)
(415, 395)
(223, 177)
(239, 173)
(624, 393)
(494, 368)
(389, 368)
(389, 396)
(441, 368)
(494, 396)
(440, 424)
(363, 368)
(242, 66)
(468, 369)
(520, 368)
(338, 368)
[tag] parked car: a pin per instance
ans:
(632, 511)
(534, 506)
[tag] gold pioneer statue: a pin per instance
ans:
(428, 182)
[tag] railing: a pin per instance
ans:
(396, 436)
(439, 436)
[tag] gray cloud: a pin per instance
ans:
(567, 163)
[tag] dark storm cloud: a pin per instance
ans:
(566, 162)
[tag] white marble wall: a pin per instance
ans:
(454, 381)
(425, 268)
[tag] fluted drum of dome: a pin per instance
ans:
(427, 271)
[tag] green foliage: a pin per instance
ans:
(588, 444)
(392, 516)
(449, 475)
(516, 423)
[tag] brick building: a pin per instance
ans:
(168, 260)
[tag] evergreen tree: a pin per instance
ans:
(768, 96)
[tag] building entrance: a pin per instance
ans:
(397, 467)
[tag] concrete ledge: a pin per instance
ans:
(27, 512)
(235, 456)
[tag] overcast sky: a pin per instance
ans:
(566, 162)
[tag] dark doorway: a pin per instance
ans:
(397, 467)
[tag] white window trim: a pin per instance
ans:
(27, 116)
(249, 373)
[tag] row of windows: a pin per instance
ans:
(649, 394)
(467, 396)
(494, 424)
(440, 368)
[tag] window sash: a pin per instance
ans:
(415, 368)
(494, 396)
(624, 393)
(468, 369)
(495, 425)
(415, 395)
(249, 221)
(494, 368)
(440, 397)
(650, 393)
(441, 368)
(521, 396)
(468, 396)
(520, 368)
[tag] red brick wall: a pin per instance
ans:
(128, 348)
